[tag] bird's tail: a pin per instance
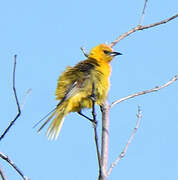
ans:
(55, 126)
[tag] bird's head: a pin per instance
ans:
(103, 52)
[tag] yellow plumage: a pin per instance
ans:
(75, 86)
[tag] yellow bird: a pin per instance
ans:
(75, 84)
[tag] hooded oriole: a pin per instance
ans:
(75, 86)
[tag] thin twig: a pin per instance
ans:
(25, 98)
(93, 98)
(2, 174)
(84, 51)
(143, 13)
(139, 116)
(145, 92)
(6, 158)
(16, 99)
(139, 27)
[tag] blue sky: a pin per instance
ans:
(47, 36)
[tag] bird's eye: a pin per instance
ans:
(107, 52)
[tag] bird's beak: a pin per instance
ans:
(115, 53)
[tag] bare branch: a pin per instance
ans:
(139, 27)
(6, 158)
(139, 116)
(94, 121)
(17, 102)
(104, 139)
(93, 98)
(2, 174)
(145, 92)
(143, 13)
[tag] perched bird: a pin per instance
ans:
(75, 84)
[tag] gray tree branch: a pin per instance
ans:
(157, 88)
(7, 159)
(122, 154)
(140, 27)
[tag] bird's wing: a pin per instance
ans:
(69, 92)
(83, 70)
(83, 73)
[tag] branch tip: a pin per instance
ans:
(16, 100)
(157, 88)
(123, 153)
(8, 160)
(140, 27)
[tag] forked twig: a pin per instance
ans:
(140, 27)
(145, 92)
(139, 116)
(6, 158)
(16, 100)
